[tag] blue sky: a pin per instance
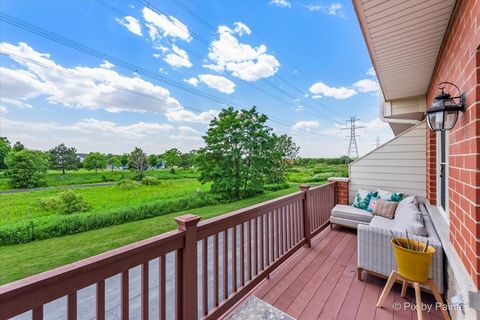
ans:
(303, 63)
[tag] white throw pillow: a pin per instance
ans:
(409, 218)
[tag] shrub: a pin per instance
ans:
(49, 203)
(150, 181)
(72, 203)
(26, 168)
(276, 187)
(172, 171)
(128, 184)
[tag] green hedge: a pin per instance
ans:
(63, 225)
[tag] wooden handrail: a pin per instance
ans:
(258, 239)
(28, 293)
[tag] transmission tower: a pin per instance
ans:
(352, 145)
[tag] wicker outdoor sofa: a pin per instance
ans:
(375, 253)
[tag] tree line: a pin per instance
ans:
(27, 168)
(241, 154)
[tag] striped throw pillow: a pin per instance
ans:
(385, 208)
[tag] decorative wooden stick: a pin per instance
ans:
(408, 240)
(395, 238)
(426, 246)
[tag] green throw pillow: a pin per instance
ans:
(362, 199)
(390, 196)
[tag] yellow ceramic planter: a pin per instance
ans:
(413, 265)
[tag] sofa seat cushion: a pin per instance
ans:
(351, 213)
(382, 223)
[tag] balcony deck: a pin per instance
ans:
(321, 283)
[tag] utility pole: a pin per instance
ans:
(352, 145)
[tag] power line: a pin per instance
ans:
(117, 61)
(205, 42)
(116, 10)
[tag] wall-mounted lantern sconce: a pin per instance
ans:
(443, 113)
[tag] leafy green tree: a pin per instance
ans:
(18, 146)
(95, 161)
(153, 160)
(4, 150)
(64, 158)
(238, 153)
(114, 161)
(172, 157)
(124, 159)
(138, 162)
(187, 159)
(26, 168)
(284, 152)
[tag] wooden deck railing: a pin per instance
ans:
(216, 262)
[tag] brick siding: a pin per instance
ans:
(459, 62)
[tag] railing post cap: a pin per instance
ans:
(339, 179)
(304, 187)
(187, 220)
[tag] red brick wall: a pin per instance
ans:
(459, 62)
(341, 192)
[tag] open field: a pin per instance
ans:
(18, 207)
(19, 261)
(82, 176)
(318, 172)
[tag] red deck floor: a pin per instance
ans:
(321, 283)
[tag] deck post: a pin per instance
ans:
(187, 267)
(306, 216)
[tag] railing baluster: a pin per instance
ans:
(125, 294)
(205, 276)
(144, 288)
(225, 264)
(215, 270)
(290, 229)
(234, 259)
(242, 254)
(277, 239)
(282, 234)
(262, 253)
(249, 250)
(72, 306)
(267, 237)
(255, 247)
(178, 285)
(37, 313)
(101, 300)
(162, 286)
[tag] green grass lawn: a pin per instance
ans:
(19, 261)
(18, 207)
(82, 176)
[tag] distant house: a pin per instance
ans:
(81, 156)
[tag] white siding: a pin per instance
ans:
(398, 165)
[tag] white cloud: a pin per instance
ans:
(167, 26)
(187, 130)
(306, 125)
(333, 9)
(17, 103)
(371, 72)
(299, 108)
(112, 92)
(178, 58)
(193, 81)
(320, 88)
(109, 137)
(281, 3)
(366, 85)
(219, 83)
(94, 126)
(3, 110)
(242, 60)
(188, 116)
(107, 65)
(132, 24)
